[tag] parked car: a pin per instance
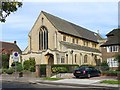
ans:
(86, 71)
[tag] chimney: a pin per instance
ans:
(15, 42)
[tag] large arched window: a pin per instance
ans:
(43, 38)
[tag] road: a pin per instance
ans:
(26, 85)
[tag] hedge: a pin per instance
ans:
(58, 68)
(64, 68)
(111, 73)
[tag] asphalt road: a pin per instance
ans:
(26, 85)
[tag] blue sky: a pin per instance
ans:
(102, 16)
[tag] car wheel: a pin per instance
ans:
(99, 74)
(88, 75)
(77, 76)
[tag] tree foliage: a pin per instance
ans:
(29, 65)
(5, 60)
(7, 7)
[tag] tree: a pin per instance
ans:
(5, 60)
(7, 7)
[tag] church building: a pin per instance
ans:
(53, 40)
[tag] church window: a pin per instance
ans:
(43, 38)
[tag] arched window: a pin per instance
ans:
(43, 38)
(85, 59)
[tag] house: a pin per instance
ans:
(53, 40)
(111, 48)
(9, 48)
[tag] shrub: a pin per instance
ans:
(111, 73)
(26, 65)
(18, 67)
(5, 60)
(4, 70)
(59, 70)
(63, 68)
(29, 64)
(10, 71)
(104, 66)
(32, 69)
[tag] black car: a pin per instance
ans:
(86, 71)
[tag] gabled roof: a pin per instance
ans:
(78, 47)
(8, 47)
(113, 38)
(70, 28)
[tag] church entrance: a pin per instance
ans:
(50, 62)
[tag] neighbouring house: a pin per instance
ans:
(9, 48)
(111, 48)
(53, 40)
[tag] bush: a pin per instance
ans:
(10, 71)
(111, 73)
(59, 70)
(104, 66)
(29, 64)
(4, 70)
(18, 67)
(32, 69)
(63, 68)
(26, 65)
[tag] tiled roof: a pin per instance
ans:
(78, 47)
(8, 47)
(70, 28)
(113, 38)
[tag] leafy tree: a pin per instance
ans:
(7, 7)
(5, 60)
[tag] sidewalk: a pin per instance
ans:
(69, 82)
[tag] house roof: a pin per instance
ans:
(113, 38)
(8, 47)
(78, 47)
(70, 28)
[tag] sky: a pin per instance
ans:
(94, 16)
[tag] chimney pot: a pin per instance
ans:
(15, 42)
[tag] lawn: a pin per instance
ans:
(111, 81)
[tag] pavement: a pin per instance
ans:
(95, 81)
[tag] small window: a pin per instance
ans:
(64, 38)
(112, 49)
(62, 60)
(85, 59)
(73, 40)
(75, 58)
(77, 41)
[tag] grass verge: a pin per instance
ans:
(111, 81)
(51, 79)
